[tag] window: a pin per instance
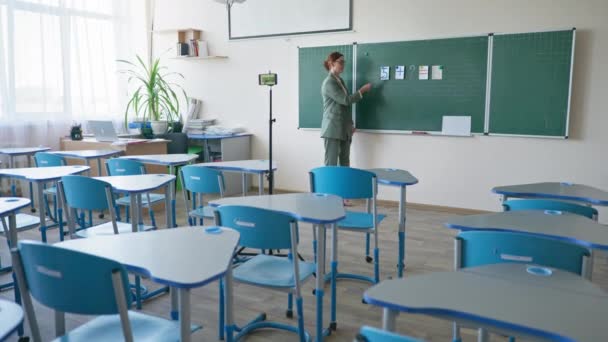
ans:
(58, 57)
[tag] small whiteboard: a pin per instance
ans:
(266, 18)
(456, 125)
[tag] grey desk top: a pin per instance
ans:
(19, 151)
(43, 173)
(250, 166)
(137, 183)
(305, 207)
(88, 154)
(395, 177)
(164, 159)
(11, 315)
(504, 297)
(561, 225)
(12, 204)
(556, 190)
(184, 257)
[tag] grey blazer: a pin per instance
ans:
(337, 109)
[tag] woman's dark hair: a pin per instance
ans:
(334, 56)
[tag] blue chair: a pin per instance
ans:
(369, 334)
(351, 183)
(539, 204)
(196, 182)
(45, 159)
(265, 229)
(128, 167)
(477, 248)
(64, 280)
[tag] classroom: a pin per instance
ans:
(303, 170)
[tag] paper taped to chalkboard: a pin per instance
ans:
(456, 125)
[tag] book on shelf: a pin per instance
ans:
(183, 50)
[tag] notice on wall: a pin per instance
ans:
(423, 72)
(437, 72)
(385, 73)
(399, 72)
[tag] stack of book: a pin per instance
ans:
(193, 48)
(198, 126)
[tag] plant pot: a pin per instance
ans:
(159, 127)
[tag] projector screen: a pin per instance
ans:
(265, 18)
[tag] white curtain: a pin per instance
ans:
(58, 65)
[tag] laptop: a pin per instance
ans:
(103, 130)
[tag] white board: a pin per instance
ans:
(264, 18)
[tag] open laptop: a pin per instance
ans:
(104, 131)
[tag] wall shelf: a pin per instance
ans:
(200, 58)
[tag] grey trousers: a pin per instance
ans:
(337, 152)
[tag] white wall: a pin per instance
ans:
(456, 172)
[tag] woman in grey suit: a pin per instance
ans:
(337, 126)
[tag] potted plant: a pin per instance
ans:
(76, 131)
(154, 100)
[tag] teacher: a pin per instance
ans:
(337, 126)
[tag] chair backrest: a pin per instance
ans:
(124, 167)
(346, 182)
(259, 228)
(369, 334)
(70, 281)
(86, 193)
(541, 204)
(477, 248)
(202, 180)
(45, 159)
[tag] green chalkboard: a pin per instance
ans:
(311, 76)
(414, 104)
(530, 84)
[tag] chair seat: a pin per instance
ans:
(271, 271)
(108, 328)
(206, 212)
(359, 220)
(154, 198)
(107, 229)
(50, 191)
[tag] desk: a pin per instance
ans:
(318, 209)
(88, 155)
(259, 167)
(9, 206)
(135, 186)
(225, 148)
(40, 176)
(29, 152)
(11, 317)
(183, 258)
(401, 179)
(503, 298)
(170, 160)
(554, 190)
(151, 146)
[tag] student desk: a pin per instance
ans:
(555, 190)
(9, 206)
(40, 176)
(225, 148)
(183, 258)
(135, 186)
(257, 167)
(503, 298)
(88, 155)
(11, 317)
(13, 152)
(128, 147)
(170, 160)
(401, 179)
(318, 209)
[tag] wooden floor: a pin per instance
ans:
(429, 248)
